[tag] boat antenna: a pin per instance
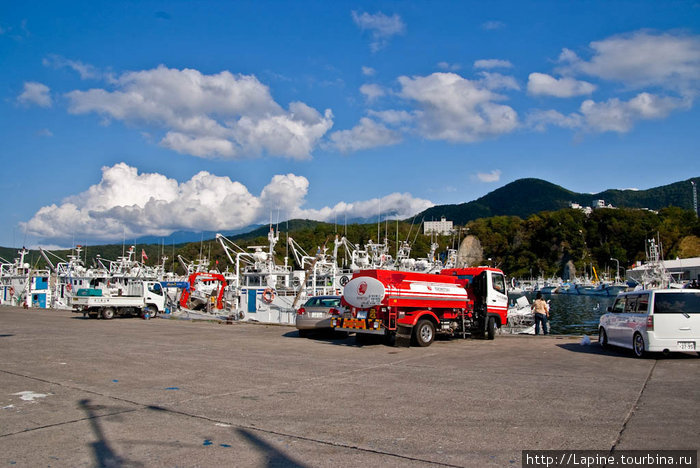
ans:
(397, 237)
(379, 219)
(417, 232)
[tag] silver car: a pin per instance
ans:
(316, 313)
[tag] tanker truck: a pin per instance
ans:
(412, 308)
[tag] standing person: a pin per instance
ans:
(541, 309)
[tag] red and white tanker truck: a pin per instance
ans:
(414, 307)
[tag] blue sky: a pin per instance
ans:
(142, 118)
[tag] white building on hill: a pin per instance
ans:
(442, 227)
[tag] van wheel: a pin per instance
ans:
(491, 328)
(424, 333)
(602, 338)
(108, 313)
(638, 345)
(152, 311)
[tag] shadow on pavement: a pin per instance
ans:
(274, 457)
(595, 348)
(105, 456)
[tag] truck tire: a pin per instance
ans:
(108, 313)
(151, 310)
(362, 338)
(403, 336)
(424, 333)
(490, 328)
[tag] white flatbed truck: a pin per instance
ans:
(145, 297)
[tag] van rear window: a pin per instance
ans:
(688, 303)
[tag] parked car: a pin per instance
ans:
(316, 313)
(656, 320)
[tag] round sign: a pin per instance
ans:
(364, 292)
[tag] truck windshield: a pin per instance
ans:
(677, 303)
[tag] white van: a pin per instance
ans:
(656, 320)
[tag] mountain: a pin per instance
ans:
(525, 197)
(183, 237)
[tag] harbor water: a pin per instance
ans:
(574, 315)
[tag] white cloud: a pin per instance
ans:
(372, 91)
(44, 132)
(219, 115)
(455, 109)
(488, 177)
(381, 26)
(613, 115)
(448, 66)
(540, 119)
(642, 58)
(86, 71)
(367, 134)
(620, 116)
(126, 202)
(35, 93)
(492, 63)
(392, 206)
(495, 81)
(493, 25)
(392, 117)
(542, 84)
(368, 71)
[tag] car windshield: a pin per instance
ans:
(678, 303)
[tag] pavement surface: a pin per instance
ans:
(130, 392)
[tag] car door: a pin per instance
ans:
(628, 321)
(497, 302)
(677, 317)
(611, 322)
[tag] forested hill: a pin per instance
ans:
(525, 197)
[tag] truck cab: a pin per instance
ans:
(487, 287)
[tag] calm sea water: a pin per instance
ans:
(569, 314)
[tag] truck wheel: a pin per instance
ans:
(491, 328)
(108, 313)
(403, 336)
(362, 338)
(424, 333)
(151, 310)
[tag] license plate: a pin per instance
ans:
(362, 314)
(686, 345)
(353, 323)
(317, 314)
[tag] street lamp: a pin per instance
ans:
(617, 271)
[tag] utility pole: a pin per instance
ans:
(695, 197)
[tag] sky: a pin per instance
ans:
(125, 119)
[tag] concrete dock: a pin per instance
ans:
(131, 392)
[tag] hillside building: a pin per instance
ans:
(442, 227)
